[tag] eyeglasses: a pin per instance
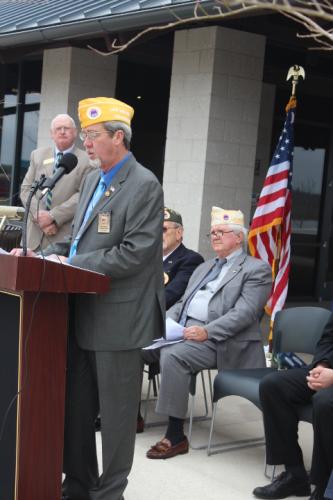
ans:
(91, 135)
(218, 234)
(166, 229)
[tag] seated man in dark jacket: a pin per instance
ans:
(280, 394)
(179, 263)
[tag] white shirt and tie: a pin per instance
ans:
(198, 307)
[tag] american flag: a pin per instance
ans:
(269, 235)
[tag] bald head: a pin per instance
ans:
(63, 131)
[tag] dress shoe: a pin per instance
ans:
(140, 425)
(163, 449)
(285, 485)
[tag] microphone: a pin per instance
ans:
(65, 166)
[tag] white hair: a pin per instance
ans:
(63, 116)
(237, 229)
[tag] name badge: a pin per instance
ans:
(104, 222)
(48, 161)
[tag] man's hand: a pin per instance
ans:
(44, 219)
(50, 230)
(196, 333)
(320, 377)
(19, 252)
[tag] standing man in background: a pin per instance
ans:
(50, 220)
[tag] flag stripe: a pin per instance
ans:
(274, 188)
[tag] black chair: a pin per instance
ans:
(296, 329)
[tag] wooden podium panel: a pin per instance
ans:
(33, 336)
(9, 364)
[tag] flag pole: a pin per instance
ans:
(295, 72)
(270, 230)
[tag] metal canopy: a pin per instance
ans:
(38, 21)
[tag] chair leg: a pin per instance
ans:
(230, 445)
(210, 388)
(155, 387)
(204, 393)
(190, 425)
(214, 405)
(146, 401)
(266, 474)
(201, 418)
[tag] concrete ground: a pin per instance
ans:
(231, 475)
(195, 476)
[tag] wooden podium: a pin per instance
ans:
(33, 335)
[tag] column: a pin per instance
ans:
(69, 75)
(212, 125)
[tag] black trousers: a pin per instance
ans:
(280, 394)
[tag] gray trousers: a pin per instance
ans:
(177, 363)
(109, 383)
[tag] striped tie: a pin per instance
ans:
(48, 197)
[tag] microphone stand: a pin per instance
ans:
(33, 190)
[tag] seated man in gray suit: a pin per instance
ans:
(220, 311)
(51, 220)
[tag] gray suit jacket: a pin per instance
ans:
(234, 311)
(132, 313)
(65, 194)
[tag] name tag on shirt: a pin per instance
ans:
(104, 222)
(48, 161)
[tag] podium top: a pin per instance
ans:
(29, 274)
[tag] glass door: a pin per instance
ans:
(307, 200)
(324, 282)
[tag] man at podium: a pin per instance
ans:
(117, 231)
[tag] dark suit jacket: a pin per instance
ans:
(179, 266)
(324, 349)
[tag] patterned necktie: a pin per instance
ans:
(48, 197)
(99, 191)
(210, 276)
